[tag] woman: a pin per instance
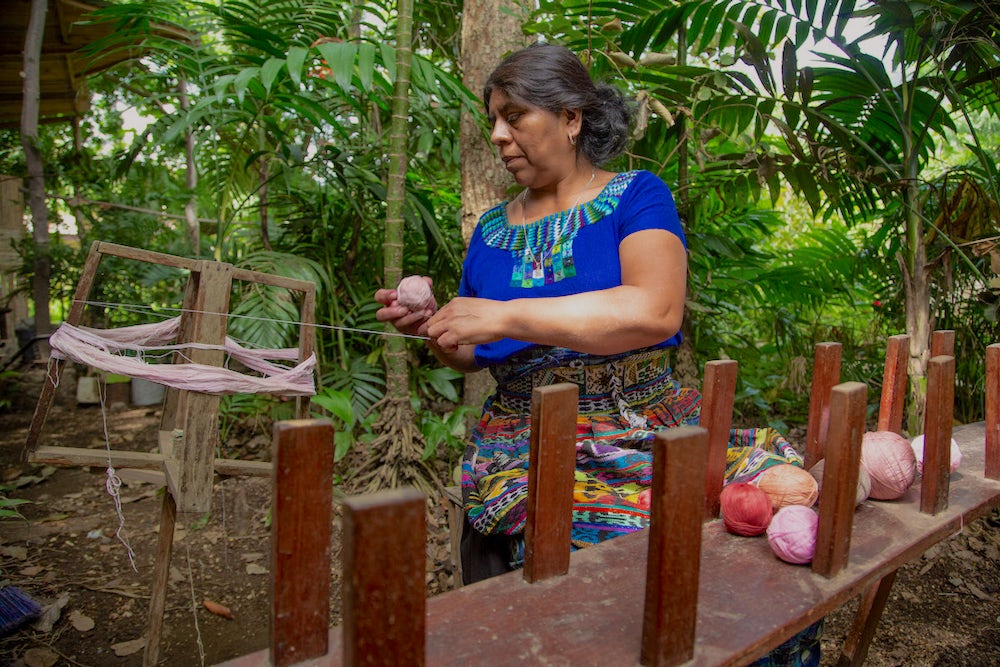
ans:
(581, 277)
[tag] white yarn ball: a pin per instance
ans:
(918, 451)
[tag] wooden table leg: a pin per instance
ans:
(866, 622)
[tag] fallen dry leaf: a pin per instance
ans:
(123, 649)
(40, 657)
(253, 568)
(81, 621)
(217, 609)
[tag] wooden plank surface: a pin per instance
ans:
(551, 468)
(563, 620)
(75, 456)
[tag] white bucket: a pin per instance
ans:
(87, 390)
(147, 392)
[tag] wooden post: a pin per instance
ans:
(840, 478)
(943, 343)
(993, 411)
(674, 557)
(826, 374)
(302, 488)
(385, 542)
(161, 576)
(551, 466)
(718, 396)
(934, 483)
(890, 412)
(198, 412)
(862, 631)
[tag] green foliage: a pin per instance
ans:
(8, 505)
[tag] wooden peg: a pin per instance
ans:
(302, 487)
(943, 343)
(938, 415)
(551, 467)
(890, 411)
(674, 556)
(993, 411)
(826, 374)
(718, 396)
(848, 402)
(385, 542)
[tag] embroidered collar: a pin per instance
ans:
(546, 232)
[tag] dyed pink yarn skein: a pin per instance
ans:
(890, 463)
(745, 509)
(415, 293)
(792, 534)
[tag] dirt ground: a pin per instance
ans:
(944, 608)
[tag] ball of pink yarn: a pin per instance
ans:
(786, 484)
(792, 534)
(415, 293)
(864, 481)
(745, 509)
(917, 445)
(890, 463)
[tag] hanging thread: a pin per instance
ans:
(113, 483)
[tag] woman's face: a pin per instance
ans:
(533, 143)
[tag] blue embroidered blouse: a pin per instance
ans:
(564, 253)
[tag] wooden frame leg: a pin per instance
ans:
(866, 622)
(158, 597)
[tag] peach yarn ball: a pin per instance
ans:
(786, 484)
(917, 444)
(792, 534)
(890, 463)
(864, 481)
(414, 293)
(745, 509)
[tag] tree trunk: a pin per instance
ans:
(489, 30)
(190, 177)
(917, 298)
(33, 162)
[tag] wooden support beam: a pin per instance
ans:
(848, 404)
(897, 356)
(674, 555)
(826, 375)
(385, 541)
(73, 456)
(993, 411)
(938, 415)
(718, 396)
(300, 540)
(551, 467)
(161, 577)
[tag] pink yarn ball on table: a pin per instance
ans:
(786, 484)
(414, 293)
(792, 534)
(889, 461)
(917, 445)
(745, 509)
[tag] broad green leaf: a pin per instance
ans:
(296, 59)
(269, 71)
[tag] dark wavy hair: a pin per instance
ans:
(553, 78)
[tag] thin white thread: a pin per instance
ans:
(194, 604)
(138, 308)
(113, 483)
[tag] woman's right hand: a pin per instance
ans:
(400, 317)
